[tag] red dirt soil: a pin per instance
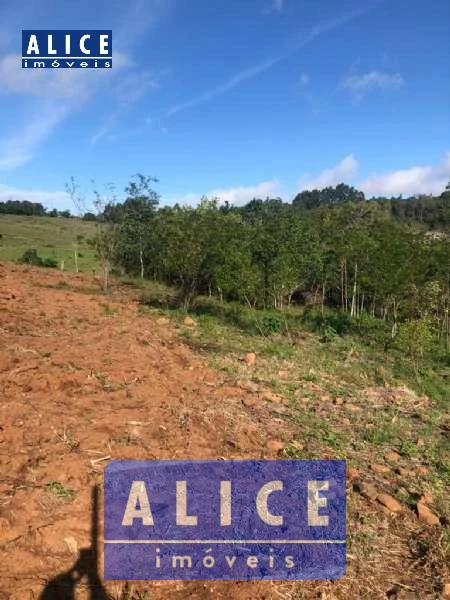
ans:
(86, 378)
(81, 380)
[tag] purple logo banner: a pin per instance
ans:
(217, 520)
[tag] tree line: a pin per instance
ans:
(338, 252)
(30, 209)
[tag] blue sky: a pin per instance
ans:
(232, 98)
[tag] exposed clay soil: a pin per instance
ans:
(83, 382)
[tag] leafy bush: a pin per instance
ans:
(328, 334)
(31, 257)
(272, 323)
(415, 337)
(159, 295)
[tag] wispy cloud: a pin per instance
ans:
(129, 91)
(422, 179)
(361, 85)
(341, 173)
(304, 80)
(58, 92)
(275, 7)
(252, 72)
(237, 196)
(20, 148)
(59, 200)
(231, 83)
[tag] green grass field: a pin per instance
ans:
(51, 237)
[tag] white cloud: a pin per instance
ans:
(241, 195)
(58, 84)
(21, 147)
(58, 200)
(421, 179)
(341, 173)
(360, 85)
(238, 196)
(425, 179)
(59, 92)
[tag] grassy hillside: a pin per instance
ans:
(51, 237)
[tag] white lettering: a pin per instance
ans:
(83, 48)
(315, 502)
(138, 493)
(33, 45)
(182, 516)
(51, 50)
(261, 503)
(104, 43)
(225, 503)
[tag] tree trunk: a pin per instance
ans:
(141, 261)
(323, 298)
(353, 309)
(345, 285)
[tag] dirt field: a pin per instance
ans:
(85, 379)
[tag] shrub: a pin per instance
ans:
(415, 338)
(31, 257)
(272, 323)
(159, 295)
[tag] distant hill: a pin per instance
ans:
(52, 237)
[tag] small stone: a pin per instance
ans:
(275, 446)
(404, 472)
(392, 456)
(366, 489)
(426, 498)
(352, 408)
(338, 401)
(446, 591)
(248, 386)
(271, 397)
(249, 359)
(163, 321)
(390, 503)
(380, 469)
(8, 295)
(231, 443)
(352, 473)
(189, 322)
(426, 515)
(423, 470)
(72, 544)
(250, 402)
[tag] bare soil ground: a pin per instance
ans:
(85, 379)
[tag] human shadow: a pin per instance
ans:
(84, 571)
